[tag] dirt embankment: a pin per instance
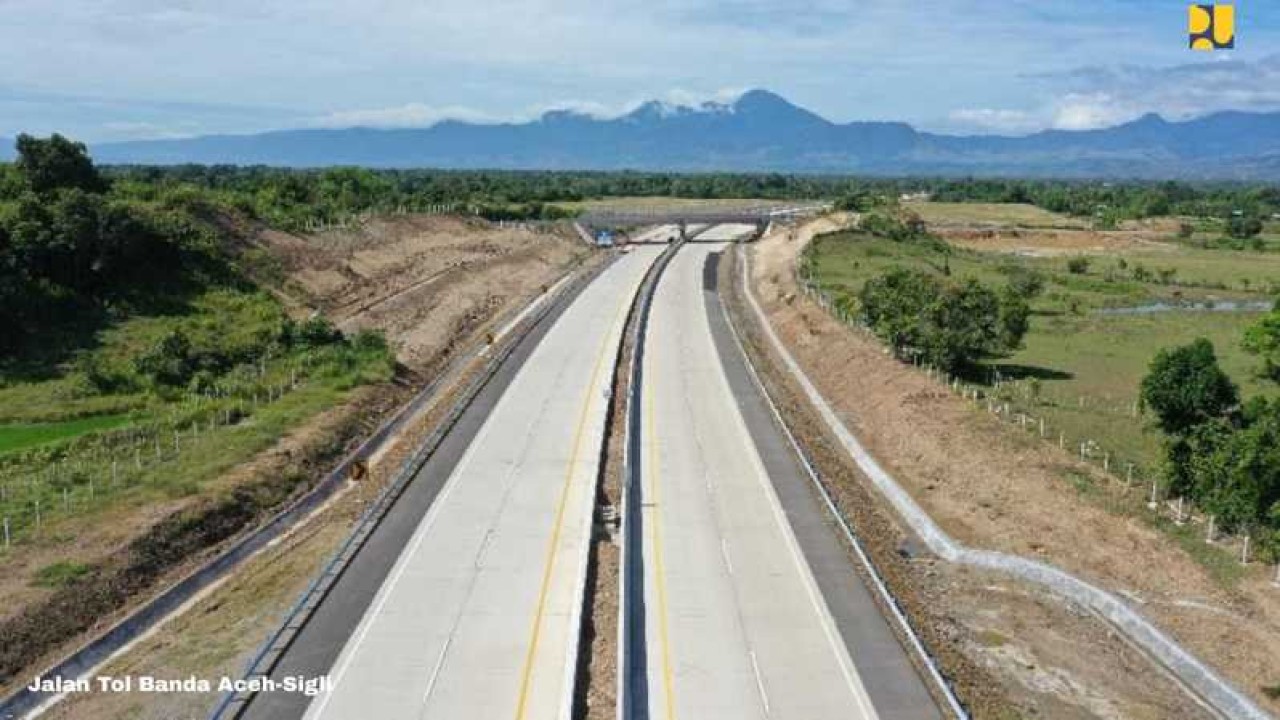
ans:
(434, 285)
(219, 631)
(426, 281)
(989, 487)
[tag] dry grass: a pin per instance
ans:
(990, 486)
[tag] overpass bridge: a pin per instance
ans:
(684, 219)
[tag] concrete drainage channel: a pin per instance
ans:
(163, 605)
(1206, 686)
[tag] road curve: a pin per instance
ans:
(479, 617)
(737, 625)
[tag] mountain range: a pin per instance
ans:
(760, 131)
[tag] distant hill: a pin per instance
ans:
(760, 131)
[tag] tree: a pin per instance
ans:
(1185, 387)
(1234, 473)
(944, 323)
(169, 361)
(1244, 226)
(1263, 339)
(893, 304)
(55, 163)
(961, 325)
(1014, 318)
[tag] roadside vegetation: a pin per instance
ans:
(137, 359)
(1221, 453)
(1217, 214)
(1068, 336)
(139, 363)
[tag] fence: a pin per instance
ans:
(999, 399)
(45, 484)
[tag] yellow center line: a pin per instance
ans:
(660, 573)
(553, 545)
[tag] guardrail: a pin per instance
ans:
(631, 668)
(264, 660)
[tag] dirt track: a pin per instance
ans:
(991, 488)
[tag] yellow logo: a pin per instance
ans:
(1211, 27)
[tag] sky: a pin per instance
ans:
(104, 70)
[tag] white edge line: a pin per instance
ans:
(575, 618)
(823, 612)
(931, 666)
(764, 696)
(352, 646)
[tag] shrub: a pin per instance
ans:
(1078, 265)
(169, 362)
(943, 323)
(1025, 282)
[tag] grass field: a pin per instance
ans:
(1079, 368)
(21, 437)
(1011, 214)
(97, 431)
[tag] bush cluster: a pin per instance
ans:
(1220, 453)
(942, 322)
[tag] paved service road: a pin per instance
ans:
(479, 617)
(737, 625)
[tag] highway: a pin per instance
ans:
(751, 606)
(724, 232)
(659, 234)
(467, 600)
(479, 617)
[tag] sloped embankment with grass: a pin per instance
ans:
(185, 382)
(139, 367)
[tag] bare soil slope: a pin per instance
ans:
(424, 280)
(991, 487)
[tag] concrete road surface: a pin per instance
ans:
(660, 234)
(479, 617)
(737, 625)
(725, 232)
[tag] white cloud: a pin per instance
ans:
(399, 116)
(1093, 97)
(417, 114)
(993, 120)
(1088, 111)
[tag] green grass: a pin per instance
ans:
(82, 438)
(1089, 368)
(59, 574)
(1014, 214)
(1086, 366)
(21, 437)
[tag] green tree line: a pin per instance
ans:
(1220, 452)
(73, 245)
